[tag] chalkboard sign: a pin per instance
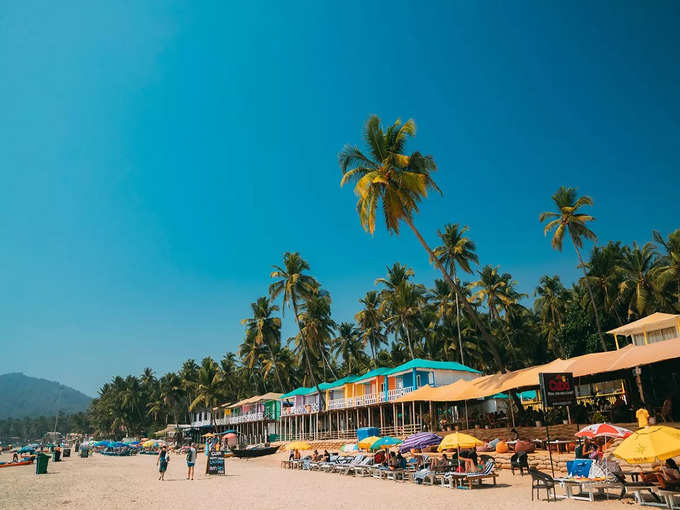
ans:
(216, 463)
(557, 389)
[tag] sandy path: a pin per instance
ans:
(132, 482)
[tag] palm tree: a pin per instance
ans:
(568, 219)
(294, 287)
(370, 322)
(604, 274)
(402, 309)
(668, 269)
(550, 304)
(209, 386)
(171, 392)
(348, 345)
(264, 329)
(637, 287)
(281, 362)
(456, 250)
(399, 182)
(318, 326)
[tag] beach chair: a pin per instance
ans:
(365, 461)
(540, 480)
(327, 466)
(395, 474)
(379, 472)
(363, 469)
(341, 467)
(477, 478)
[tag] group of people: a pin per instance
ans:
(163, 460)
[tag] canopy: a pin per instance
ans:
(384, 442)
(588, 364)
(650, 444)
(458, 440)
(654, 321)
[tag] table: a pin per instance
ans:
(559, 443)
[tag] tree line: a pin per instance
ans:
(472, 314)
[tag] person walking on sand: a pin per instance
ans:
(162, 462)
(191, 461)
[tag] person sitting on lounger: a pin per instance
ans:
(296, 454)
(401, 461)
(315, 456)
(326, 456)
(670, 472)
(469, 457)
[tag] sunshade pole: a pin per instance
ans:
(467, 423)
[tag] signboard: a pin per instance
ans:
(216, 463)
(557, 389)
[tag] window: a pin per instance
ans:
(657, 335)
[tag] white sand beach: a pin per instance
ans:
(132, 482)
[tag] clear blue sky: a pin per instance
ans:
(158, 157)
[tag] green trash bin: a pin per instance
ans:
(41, 464)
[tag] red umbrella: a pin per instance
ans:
(604, 430)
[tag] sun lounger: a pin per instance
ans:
(342, 466)
(354, 468)
(478, 478)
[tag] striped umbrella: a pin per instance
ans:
(420, 440)
(385, 442)
(604, 430)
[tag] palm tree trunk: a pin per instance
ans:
(304, 347)
(484, 333)
(276, 368)
(460, 338)
(408, 339)
(592, 298)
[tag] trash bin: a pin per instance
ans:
(41, 463)
(56, 455)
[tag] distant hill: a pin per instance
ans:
(29, 396)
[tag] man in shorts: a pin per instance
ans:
(191, 461)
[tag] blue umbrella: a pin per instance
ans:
(26, 449)
(385, 441)
(117, 444)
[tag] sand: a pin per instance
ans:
(132, 482)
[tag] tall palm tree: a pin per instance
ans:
(209, 386)
(264, 329)
(402, 309)
(637, 288)
(348, 345)
(604, 274)
(282, 362)
(399, 182)
(550, 304)
(568, 219)
(317, 327)
(295, 287)
(668, 269)
(456, 250)
(171, 392)
(370, 322)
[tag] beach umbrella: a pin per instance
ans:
(298, 445)
(209, 434)
(420, 440)
(650, 444)
(148, 444)
(366, 443)
(230, 435)
(349, 448)
(26, 449)
(458, 440)
(385, 442)
(604, 430)
(117, 444)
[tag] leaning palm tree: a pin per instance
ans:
(265, 330)
(295, 287)
(399, 181)
(456, 250)
(568, 219)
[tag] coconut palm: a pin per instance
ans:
(637, 288)
(604, 275)
(399, 182)
(370, 322)
(170, 386)
(295, 287)
(668, 269)
(348, 346)
(550, 304)
(569, 220)
(264, 329)
(318, 327)
(456, 250)
(402, 308)
(209, 386)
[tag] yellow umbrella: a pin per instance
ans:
(209, 434)
(148, 444)
(650, 444)
(458, 440)
(298, 445)
(366, 443)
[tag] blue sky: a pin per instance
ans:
(159, 157)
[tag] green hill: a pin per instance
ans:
(29, 396)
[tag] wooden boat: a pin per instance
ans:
(12, 464)
(254, 452)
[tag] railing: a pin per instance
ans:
(307, 409)
(201, 423)
(394, 394)
(349, 434)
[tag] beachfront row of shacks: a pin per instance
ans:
(410, 397)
